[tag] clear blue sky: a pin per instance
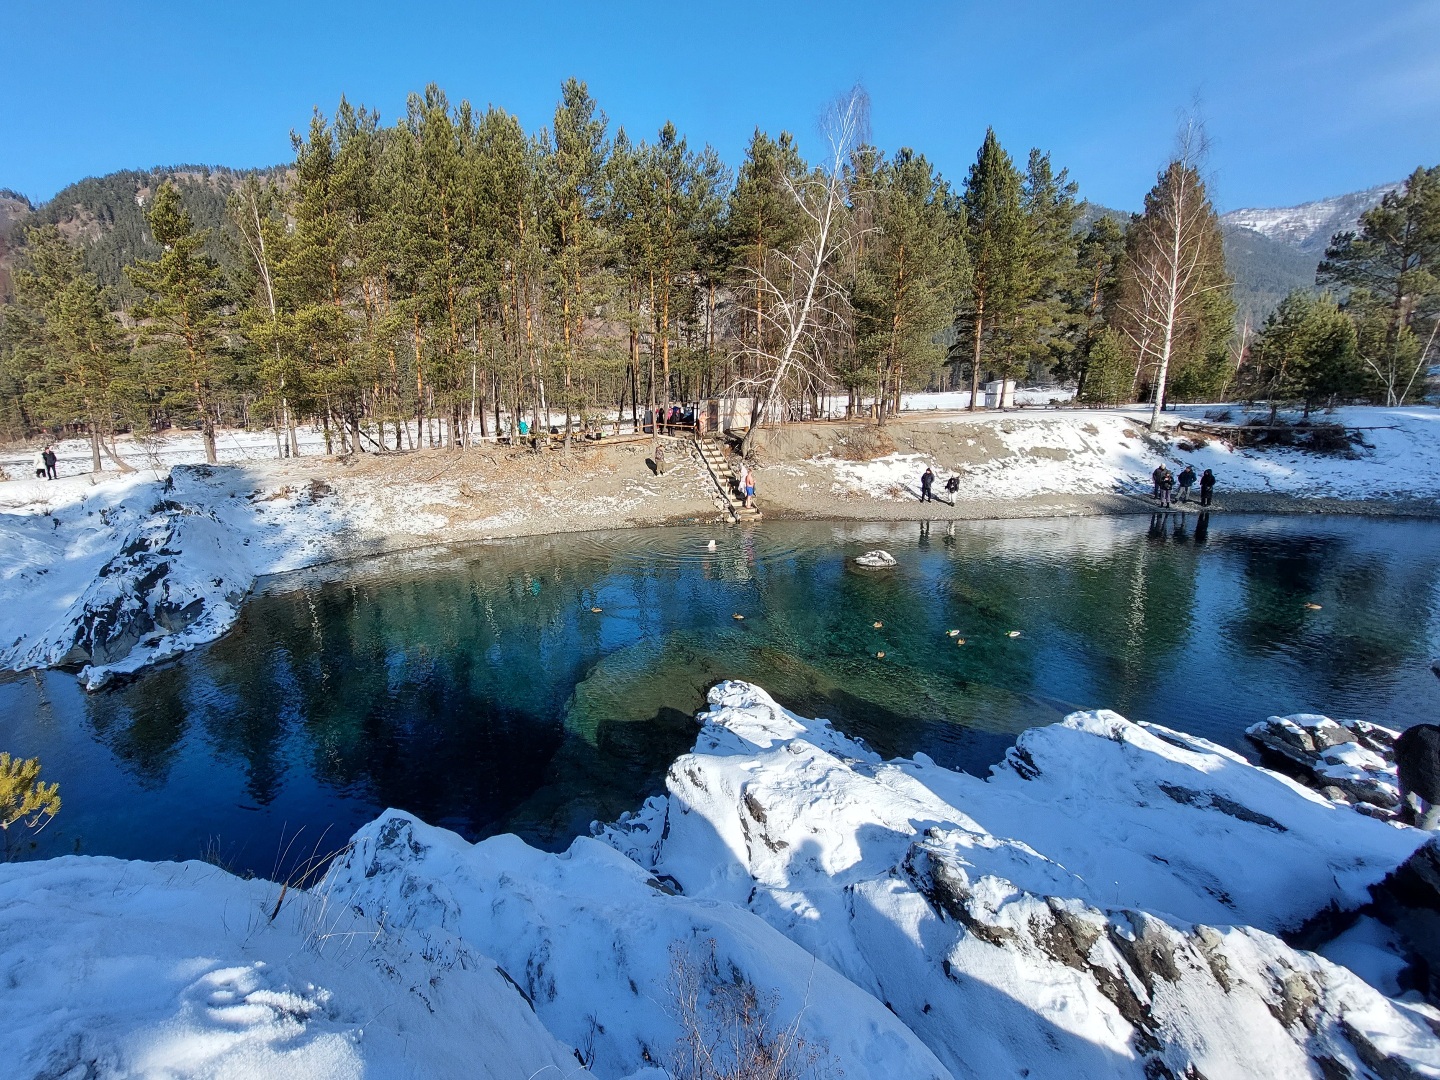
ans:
(1303, 98)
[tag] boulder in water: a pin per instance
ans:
(875, 560)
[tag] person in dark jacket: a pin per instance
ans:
(1207, 487)
(1155, 476)
(1186, 478)
(52, 464)
(1166, 483)
(927, 481)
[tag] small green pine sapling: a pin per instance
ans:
(24, 798)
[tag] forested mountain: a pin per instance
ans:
(1273, 251)
(13, 207)
(105, 215)
(1265, 271)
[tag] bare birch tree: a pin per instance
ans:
(802, 291)
(1171, 258)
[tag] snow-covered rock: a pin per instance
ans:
(876, 560)
(592, 939)
(1104, 904)
(1106, 901)
(1350, 762)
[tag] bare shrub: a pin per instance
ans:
(1332, 439)
(1220, 416)
(728, 1026)
(866, 444)
(1193, 443)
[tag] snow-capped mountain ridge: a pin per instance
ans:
(1310, 225)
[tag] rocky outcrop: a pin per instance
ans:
(1350, 762)
(1109, 900)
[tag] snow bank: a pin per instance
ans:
(123, 969)
(136, 570)
(1020, 455)
(1103, 905)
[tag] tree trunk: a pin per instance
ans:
(975, 354)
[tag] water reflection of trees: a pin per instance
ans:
(484, 693)
(1375, 607)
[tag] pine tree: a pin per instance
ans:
(1108, 375)
(76, 359)
(182, 312)
(908, 277)
(577, 207)
(1306, 351)
(24, 797)
(1046, 324)
(1093, 297)
(763, 218)
(994, 240)
(257, 213)
(1389, 277)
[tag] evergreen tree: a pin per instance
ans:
(1108, 374)
(183, 314)
(1388, 274)
(70, 344)
(1046, 323)
(908, 277)
(257, 214)
(995, 238)
(25, 799)
(1093, 297)
(1307, 351)
(316, 275)
(576, 212)
(763, 218)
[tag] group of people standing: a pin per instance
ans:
(1165, 481)
(46, 464)
(927, 486)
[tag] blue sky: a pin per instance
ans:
(1301, 99)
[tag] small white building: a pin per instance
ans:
(1000, 394)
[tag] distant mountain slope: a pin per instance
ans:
(1269, 252)
(1265, 270)
(1310, 225)
(13, 207)
(107, 214)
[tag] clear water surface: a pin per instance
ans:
(478, 688)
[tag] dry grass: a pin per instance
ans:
(865, 444)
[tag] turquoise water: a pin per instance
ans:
(477, 687)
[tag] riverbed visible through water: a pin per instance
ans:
(534, 685)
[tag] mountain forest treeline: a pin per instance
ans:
(443, 279)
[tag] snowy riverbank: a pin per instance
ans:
(1106, 903)
(112, 573)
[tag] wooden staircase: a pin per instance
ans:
(712, 452)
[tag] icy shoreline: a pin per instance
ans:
(1106, 903)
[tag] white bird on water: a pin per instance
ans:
(710, 546)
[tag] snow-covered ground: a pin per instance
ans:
(1106, 903)
(1018, 455)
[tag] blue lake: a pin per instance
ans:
(477, 688)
